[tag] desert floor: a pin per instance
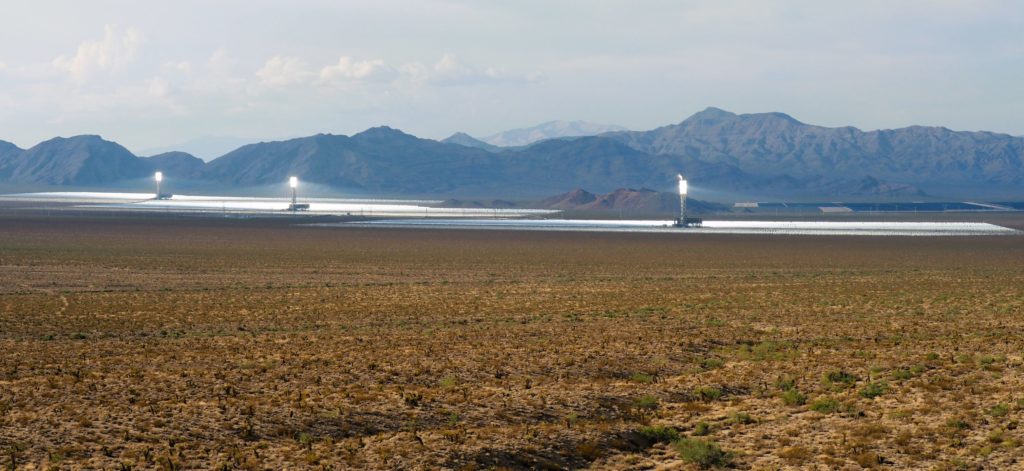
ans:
(137, 343)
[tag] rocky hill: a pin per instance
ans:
(725, 156)
(177, 165)
(775, 144)
(79, 160)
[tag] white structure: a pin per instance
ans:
(682, 197)
(159, 177)
(684, 221)
(293, 182)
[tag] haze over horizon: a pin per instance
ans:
(162, 73)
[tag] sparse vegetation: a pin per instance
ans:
(211, 344)
(873, 390)
(827, 405)
(660, 433)
(793, 398)
(702, 453)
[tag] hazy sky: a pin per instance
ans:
(153, 73)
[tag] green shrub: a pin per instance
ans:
(793, 397)
(707, 393)
(711, 363)
(701, 453)
(767, 350)
(838, 378)
(998, 410)
(785, 383)
(741, 418)
(646, 403)
(826, 405)
(873, 390)
(702, 429)
(659, 433)
(448, 382)
(641, 378)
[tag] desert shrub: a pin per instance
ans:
(911, 372)
(711, 363)
(741, 418)
(998, 410)
(767, 350)
(715, 322)
(873, 390)
(838, 378)
(957, 424)
(448, 382)
(641, 378)
(701, 453)
(702, 429)
(785, 382)
(793, 397)
(659, 433)
(646, 403)
(827, 405)
(707, 393)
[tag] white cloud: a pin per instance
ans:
(282, 71)
(349, 70)
(449, 71)
(182, 66)
(110, 54)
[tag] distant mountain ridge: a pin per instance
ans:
(768, 155)
(549, 130)
(77, 160)
(466, 140)
(777, 144)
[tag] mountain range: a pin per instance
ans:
(726, 156)
(549, 130)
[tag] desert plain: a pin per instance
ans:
(202, 343)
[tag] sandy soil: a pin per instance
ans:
(176, 343)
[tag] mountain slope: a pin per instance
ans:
(205, 147)
(79, 160)
(548, 130)
(466, 140)
(377, 160)
(776, 144)
(176, 164)
(8, 152)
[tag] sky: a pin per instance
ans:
(156, 73)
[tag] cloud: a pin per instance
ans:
(110, 54)
(282, 71)
(449, 71)
(349, 70)
(181, 66)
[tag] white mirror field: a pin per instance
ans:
(398, 214)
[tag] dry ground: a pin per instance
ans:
(162, 343)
